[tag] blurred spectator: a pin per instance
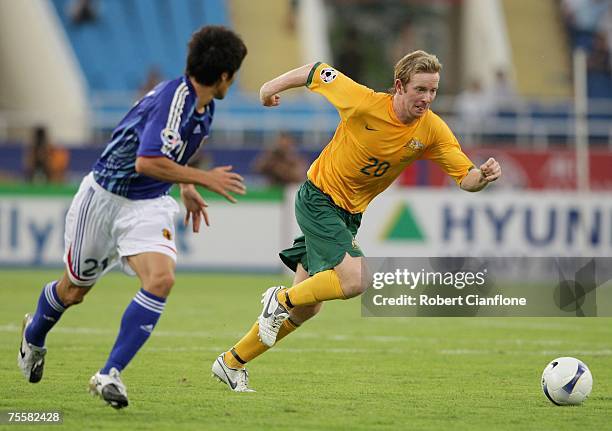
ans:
(292, 14)
(282, 164)
(473, 107)
(503, 97)
(583, 19)
(82, 11)
(606, 27)
(58, 164)
(154, 77)
(350, 56)
(405, 42)
(600, 71)
(589, 24)
(43, 161)
(599, 57)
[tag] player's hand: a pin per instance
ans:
(268, 99)
(195, 206)
(490, 170)
(273, 100)
(222, 180)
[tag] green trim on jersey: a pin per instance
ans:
(311, 74)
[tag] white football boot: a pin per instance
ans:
(110, 388)
(31, 359)
(272, 316)
(236, 379)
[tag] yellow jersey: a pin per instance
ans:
(371, 146)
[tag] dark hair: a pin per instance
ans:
(212, 51)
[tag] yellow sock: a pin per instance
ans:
(249, 347)
(322, 286)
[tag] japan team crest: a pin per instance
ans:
(171, 140)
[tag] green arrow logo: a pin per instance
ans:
(403, 226)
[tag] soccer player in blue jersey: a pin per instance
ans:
(122, 213)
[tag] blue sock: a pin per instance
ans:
(137, 323)
(49, 311)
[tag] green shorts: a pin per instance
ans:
(328, 232)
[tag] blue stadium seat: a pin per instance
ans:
(130, 37)
(215, 12)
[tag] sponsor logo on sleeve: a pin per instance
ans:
(328, 75)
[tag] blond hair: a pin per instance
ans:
(415, 62)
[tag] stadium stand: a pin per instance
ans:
(124, 40)
(129, 37)
(258, 22)
(542, 68)
(588, 25)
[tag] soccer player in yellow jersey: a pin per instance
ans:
(379, 134)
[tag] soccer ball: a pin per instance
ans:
(567, 381)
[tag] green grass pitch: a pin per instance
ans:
(339, 371)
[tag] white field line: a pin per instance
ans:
(518, 324)
(379, 339)
(568, 324)
(453, 352)
(561, 352)
(217, 349)
(397, 340)
(303, 335)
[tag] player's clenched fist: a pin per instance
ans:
(490, 170)
(267, 99)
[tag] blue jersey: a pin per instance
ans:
(164, 123)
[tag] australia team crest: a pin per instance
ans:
(415, 145)
(413, 148)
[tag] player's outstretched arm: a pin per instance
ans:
(220, 180)
(477, 179)
(269, 92)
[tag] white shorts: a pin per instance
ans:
(102, 229)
